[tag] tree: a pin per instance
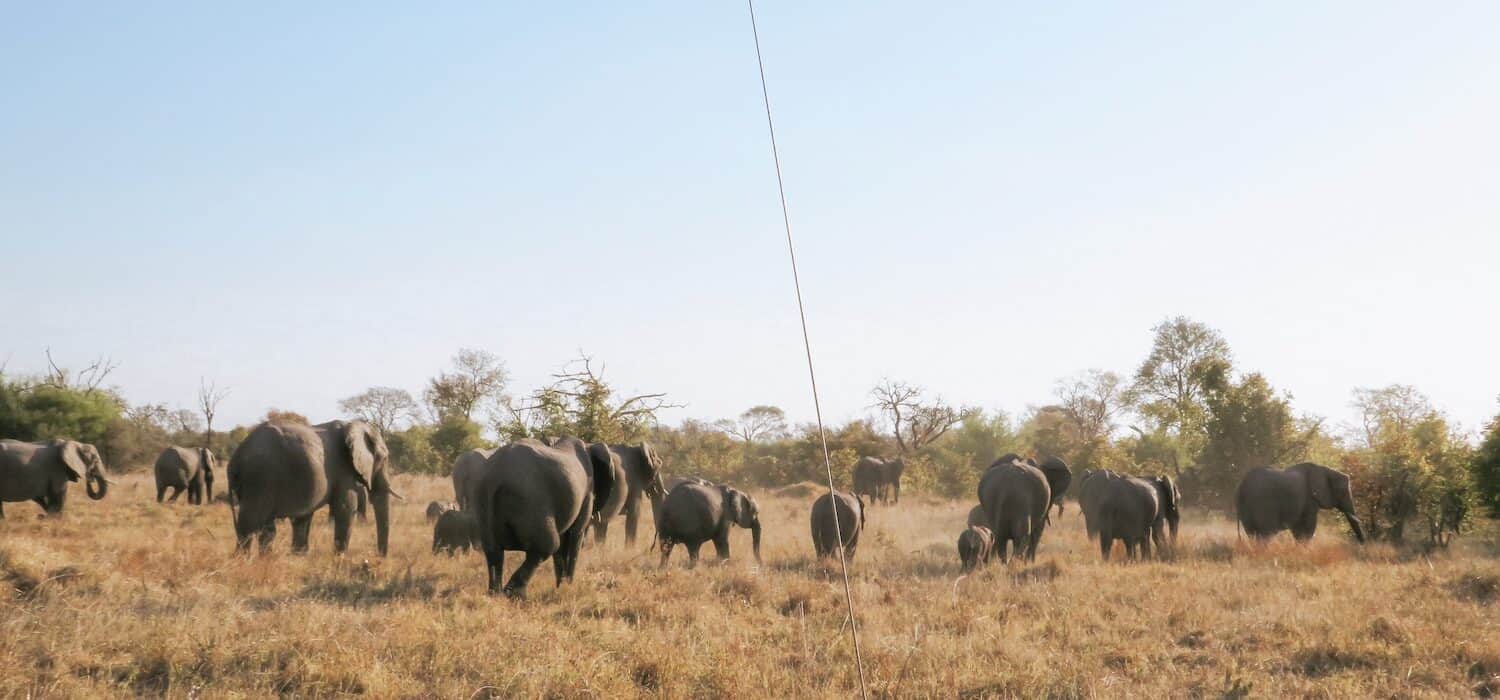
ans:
(478, 377)
(580, 403)
(915, 420)
(1092, 400)
(276, 415)
(209, 396)
(757, 423)
(1171, 385)
(1411, 465)
(381, 406)
(1485, 468)
(85, 381)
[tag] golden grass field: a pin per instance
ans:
(126, 597)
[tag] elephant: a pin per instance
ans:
(1090, 485)
(186, 469)
(455, 530)
(975, 544)
(693, 514)
(1136, 510)
(1016, 499)
(538, 498)
(466, 471)
(977, 516)
(879, 479)
(290, 470)
(1270, 500)
(1059, 477)
(643, 476)
(850, 509)
(40, 472)
(436, 509)
(671, 482)
(615, 504)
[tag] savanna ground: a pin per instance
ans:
(125, 597)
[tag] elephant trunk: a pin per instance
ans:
(381, 499)
(95, 485)
(1354, 524)
(755, 539)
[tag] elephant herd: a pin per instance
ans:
(540, 498)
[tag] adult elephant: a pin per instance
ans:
(290, 470)
(466, 471)
(1090, 487)
(41, 471)
(1059, 477)
(850, 511)
(1016, 498)
(1135, 510)
(1271, 500)
(615, 503)
(643, 478)
(538, 498)
(694, 513)
(879, 479)
(186, 469)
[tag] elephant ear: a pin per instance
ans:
(1318, 487)
(364, 452)
(72, 461)
(1168, 492)
(604, 462)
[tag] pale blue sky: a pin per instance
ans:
(301, 202)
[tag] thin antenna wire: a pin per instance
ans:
(812, 376)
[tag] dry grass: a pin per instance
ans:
(127, 597)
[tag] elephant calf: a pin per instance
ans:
(455, 530)
(435, 509)
(850, 510)
(974, 546)
(693, 514)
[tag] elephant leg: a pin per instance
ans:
(721, 545)
(176, 491)
(494, 560)
(2, 510)
(692, 548)
(362, 498)
(566, 559)
(1106, 543)
(300, 527)
(601, 531)
(1159, 535)
(897, 488)
(267, 535)
(341, 511)
(1001, 546)
(161, 492)
(516, 586)
(632, 515)
(1145, 548)
(666, 552)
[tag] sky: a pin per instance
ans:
(299, 201)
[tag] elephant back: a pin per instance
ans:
(690, 512)
(282, 464)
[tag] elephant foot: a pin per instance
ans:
(515, 593)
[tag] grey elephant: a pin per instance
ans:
(1016, 499)
(1090, 486)
(436, 509)
(466, 471)
(975, 544)
(879, 479)
(615, 504)
(1271, 500)
(454, 531)
(1137, 511)
(290, 470)
(693, 514)
(977, 516)
(186, 469)
(538, 498)
(643, 478)
(671, 482)
(850, 510)
(41, 471)
(1059, 477)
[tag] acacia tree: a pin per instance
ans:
(1093, 400)
(580, 403)
(478, 377)
(381, 406)
(757, 423)
(915, 420)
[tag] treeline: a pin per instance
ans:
(1186, 410)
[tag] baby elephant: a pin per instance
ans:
(974, 547)
(455, 530)
(693, 513)
(437, 508)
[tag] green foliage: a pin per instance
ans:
(412, 451)
(580, 403)
(37, 411)
(1249, 425)
(452, 437)
(1485, 469)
